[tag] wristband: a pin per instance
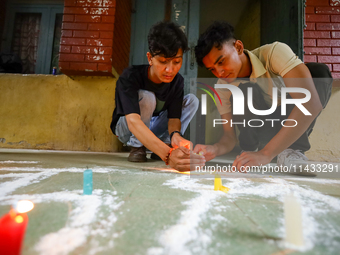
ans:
(168, 156)
(172, 134)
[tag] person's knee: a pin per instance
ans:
(323, 80)
(319, 70)
(192, 101)
(147, 100)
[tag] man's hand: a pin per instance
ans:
(178, 141)
(182, 159)
(208, 151)
(248, 158)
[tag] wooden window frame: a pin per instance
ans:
(46, 36)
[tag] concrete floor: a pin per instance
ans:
(143, 208)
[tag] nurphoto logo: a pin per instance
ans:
(238, 104)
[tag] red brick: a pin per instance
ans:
(335, 75)
(101, 27)
(335, 51)
(90, 3)
(106, 35)
(108, 19)
(310, 10)
(75, 26)
(335, 34)
(317, 51)
(66, 33)
(87, 18)
(68, 18)
(317, 2)
(317, 34)
(327, 10)
(86, 34)
(328, 26)
(104, 67)
(85, 49)
(334, 3)
(105, 51)
(83, 66)
(70, 3)
(64, 49)
(329, 59)
(99, 42)
(98, 58)
(109, 3)
(309, 42)
(310, 26)
(328, 42)
(335, 18)
(71, 57)
(102, 11)
(309, 58)
(76, 10)
(64, 65)
(317, 18)
(72, 41)
(336, 67)
(329, 66)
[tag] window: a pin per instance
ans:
(33, 33)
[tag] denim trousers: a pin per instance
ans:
(157, 124)
(252, 138)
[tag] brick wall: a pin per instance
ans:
(90, 37)
(322, 35)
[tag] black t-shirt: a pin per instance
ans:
(169, 96)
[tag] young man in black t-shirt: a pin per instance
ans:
(151, 109)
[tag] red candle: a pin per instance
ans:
(12, 230)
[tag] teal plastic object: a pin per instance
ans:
(88, 182)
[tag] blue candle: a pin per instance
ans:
(88, 183)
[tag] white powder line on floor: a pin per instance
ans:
(314, 204)
(14, 175)
(10, 186)
(86, 219)
(175, 238)
(18, 162)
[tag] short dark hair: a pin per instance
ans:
(215, 36)
(166, 38)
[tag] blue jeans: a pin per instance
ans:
(157, 124)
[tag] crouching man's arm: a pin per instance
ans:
(179, 159)
(225, 144)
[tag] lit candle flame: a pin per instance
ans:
(24, 206)
(19, 219)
